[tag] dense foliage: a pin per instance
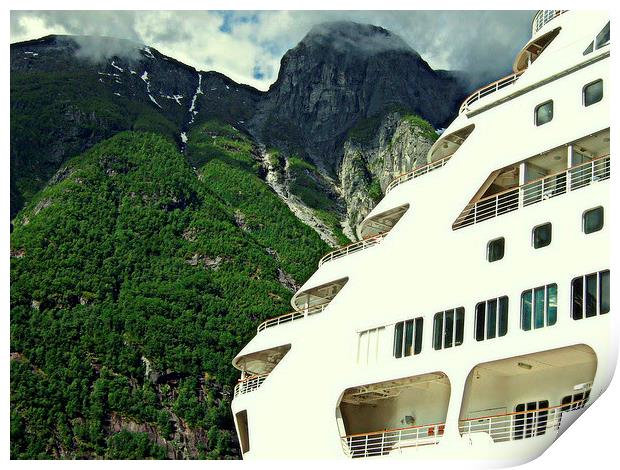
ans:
(135, 278)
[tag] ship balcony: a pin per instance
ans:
(249, 384)
(535, 191)
(318, 296)
(388, 417)
(525, 396)
(293, 316)
(543, 17)
(403, 178)
(488, 90)
(352, 248)
(448, 144)
(382, 222)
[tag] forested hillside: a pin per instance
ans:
(135, 279)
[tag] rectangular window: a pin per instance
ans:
(541, 235)
(491, 318)
(543, 113)
(576, 401)
(593, 220)
(448, 328)
(370, 344)
(242, 428)
(590, 295)
(539, 307)
(408, 337)
(495, 249)
(593, 93)
(530, 419)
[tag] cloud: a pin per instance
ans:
(247, 46)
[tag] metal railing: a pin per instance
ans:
(489, 89)
(289, 317)
(249, 384)
(543, 17)
(352, 248)
(383, 442)
(535, 191)
(520, 424)
(403, 178)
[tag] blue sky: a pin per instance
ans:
(247, 46)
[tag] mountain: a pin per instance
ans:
(160, 213)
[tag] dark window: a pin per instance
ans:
(448, 328)
(593, 220)
(602, 38)
(593, 93)
(590, 295)
(491, 318)
(541, 235)
(576, 401)
(408, 337)
(544, 113)
(539, 307)
(495, 249)
(242, 427)
(531, 419)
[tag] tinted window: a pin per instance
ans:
(539, 307)
(602, 38)
(593, 93)
(593, 220)
(491, 318)
(495, 250)
(541, 235)
(448, 328)
(590, 295)
(544, 113)
(408, 337)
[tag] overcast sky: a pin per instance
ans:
(247, 46)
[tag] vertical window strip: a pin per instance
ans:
(590, 295)
(448, 328)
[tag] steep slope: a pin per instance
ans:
(134, 279)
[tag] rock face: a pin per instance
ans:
(340, 73)
(399, 144)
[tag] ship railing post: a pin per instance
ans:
(366, 446)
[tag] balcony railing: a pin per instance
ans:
(289, 317)
(249, 384)
(489, 89)
(352, 248)
(383, 442)
(533, 192)
(518, 425)
(543, 17)
(400, 179)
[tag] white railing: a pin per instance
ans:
(289, 317)
(249, 384)
(518, 425)
(543, 17)
(488, 89)
(352, 248)
(383, 442)
(535, 191)
(400, 179)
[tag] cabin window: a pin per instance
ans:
(543, 113)
(242, 427)
(408, 337)
(576, 401)
(541, 235)
(602, 39)
(539, 307)
(593, 220)
(590, 295)
(495, 249)
(531, 419)
(593, 93)
(491, 318)
(448, 328)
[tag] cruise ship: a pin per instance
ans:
(471, 320)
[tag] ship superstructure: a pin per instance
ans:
(472, 320)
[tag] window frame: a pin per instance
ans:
(583, 92)
(440, 330)
(534, 235)
(503, 240)
(536, 122)
(602, 294)
(411, 333)
(546, 307)
(500, 318)
(583, 219)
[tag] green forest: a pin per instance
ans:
(137, 273)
